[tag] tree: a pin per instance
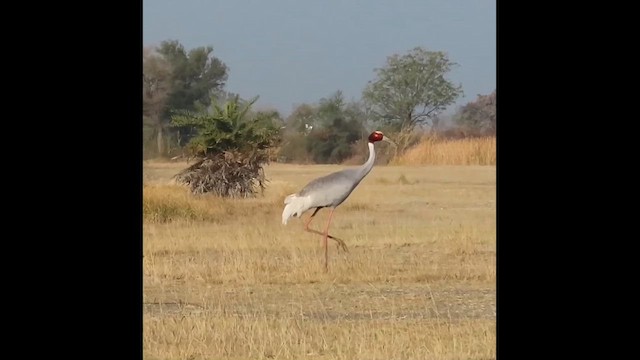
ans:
(479, 116)
(332, 144)
(339, 125)
(156, 84)
(233, 147)
(294, 137)
(301, 120)
(411, 89)
(323, 132)
(197, 76)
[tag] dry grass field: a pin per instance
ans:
(224, 279)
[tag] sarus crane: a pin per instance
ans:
(329, 191)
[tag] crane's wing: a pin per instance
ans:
(331, 189)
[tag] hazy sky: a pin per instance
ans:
(298, 51)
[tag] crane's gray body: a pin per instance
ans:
(333, 189)
(327, 191)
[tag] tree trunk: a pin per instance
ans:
(435, 124)
(160, 141)
(407, 123)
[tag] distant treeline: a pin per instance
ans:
(183, 88)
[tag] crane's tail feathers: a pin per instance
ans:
(294, 206)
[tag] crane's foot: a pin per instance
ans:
(341, 244)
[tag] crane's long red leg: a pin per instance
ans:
(306, 224)
(341, 243)
(326, 247)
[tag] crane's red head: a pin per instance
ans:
(376, 136)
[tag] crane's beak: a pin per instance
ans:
(389, 141)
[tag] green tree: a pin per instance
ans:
(294, 137)
(332, 144)
(338, 126)
(233, 144)
(156, 86)
(324, 132)
(197, 77)
(411, 89)
(302, 119)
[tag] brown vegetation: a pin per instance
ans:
(439, 151)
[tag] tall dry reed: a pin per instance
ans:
(435, 151)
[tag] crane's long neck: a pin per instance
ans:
(366, 167)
